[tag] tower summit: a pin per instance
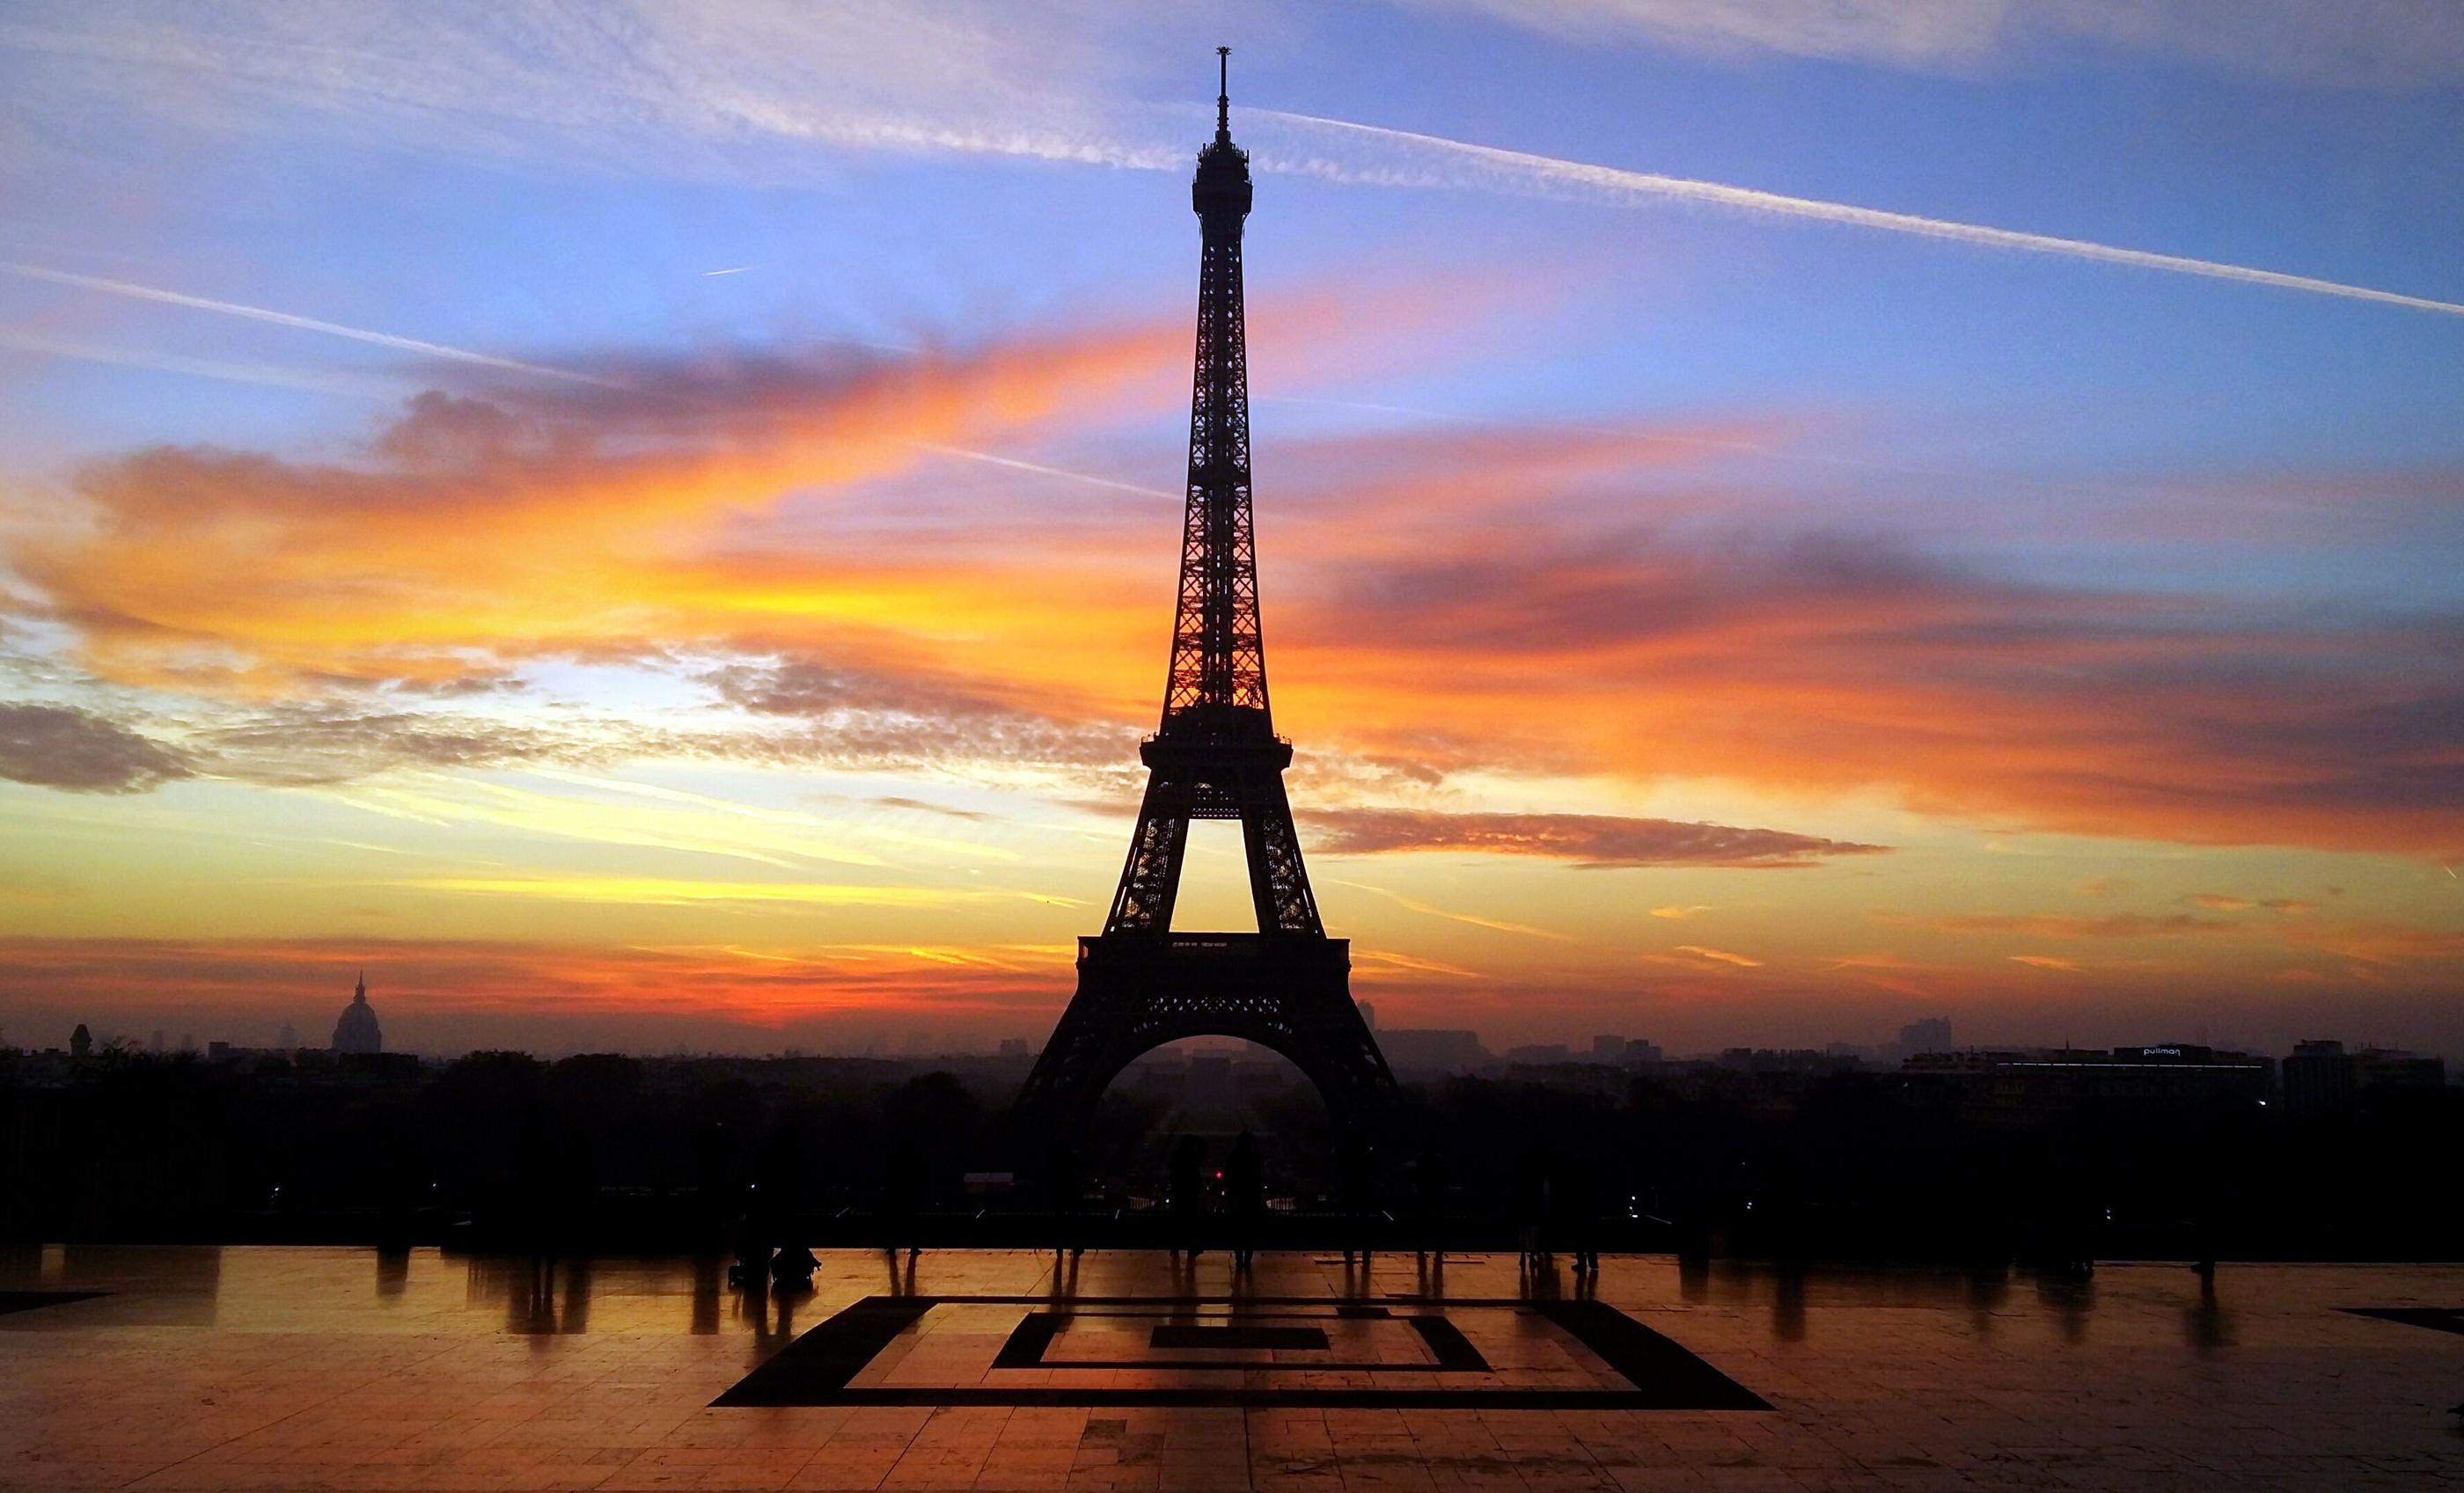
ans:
(1214, 754)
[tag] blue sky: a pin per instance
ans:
(2173, 486)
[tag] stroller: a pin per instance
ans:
(793, 1267)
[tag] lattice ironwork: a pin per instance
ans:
(1215, 755)
(1290, 996)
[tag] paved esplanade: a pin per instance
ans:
(256, 1368)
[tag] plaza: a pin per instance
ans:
(175, 1368)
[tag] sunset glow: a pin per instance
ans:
(669, 542)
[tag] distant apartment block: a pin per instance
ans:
(2321, 1076)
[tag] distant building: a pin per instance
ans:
(1926, 1034)
(1014, 1047)
(2029, 1085)
(357, 1031)
(80, 1041)
(1368, 1015)
(1432, 1050)
(2321, 1076)
(289, 1040)
(1783, 1059)
(1608, 1049)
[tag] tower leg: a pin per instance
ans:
(1278, 880)
(1150, 877)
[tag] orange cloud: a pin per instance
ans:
(1819, 665)
(530, 521)
(1592, 840)
(1720, 956)
(2057, 925)
(2220, 902)
(1583, 602)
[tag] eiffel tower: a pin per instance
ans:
(1288, 986)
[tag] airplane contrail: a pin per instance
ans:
(15, 340)
(1041, 469)
(232, 308)
(1622, 183)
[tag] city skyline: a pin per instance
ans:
(662, 536)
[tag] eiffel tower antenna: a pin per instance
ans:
(1214, 754)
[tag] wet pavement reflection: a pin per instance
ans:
(202, 1368)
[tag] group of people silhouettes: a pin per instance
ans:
(1556, 1212)
(1186, 1195)
(1558, 1209)
(760, 1265)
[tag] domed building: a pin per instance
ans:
(357, 1030)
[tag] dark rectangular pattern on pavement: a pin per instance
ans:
(816, 1366)
(1027, 1344)
(28, 1301)
(1173, 1334)
(1453, 1350)
(2438, 1319)
(1653, 1364)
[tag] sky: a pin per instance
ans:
(652, 526)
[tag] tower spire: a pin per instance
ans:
(1224, 96)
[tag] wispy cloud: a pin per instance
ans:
(1381, 963)
(1038, 468)
(2055, 925)
(1494, 924)
(2223, 902)
(222, 369)
(61, 746)
(668, 892)
(1493, 167)
(1720, 956)
(2366, 42)
(1597, 841)
(232, 308)
(492, 524)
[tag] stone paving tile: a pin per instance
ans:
(316, 1368)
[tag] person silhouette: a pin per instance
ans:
(900, 1203)
(1429, 1204)
(1061, 1199)
(1576, 1214)
(1359, 1201)
(1245, 1197)
(1531, 1218)
(1186, 1187)
(793, 1267)
(751, 1270)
